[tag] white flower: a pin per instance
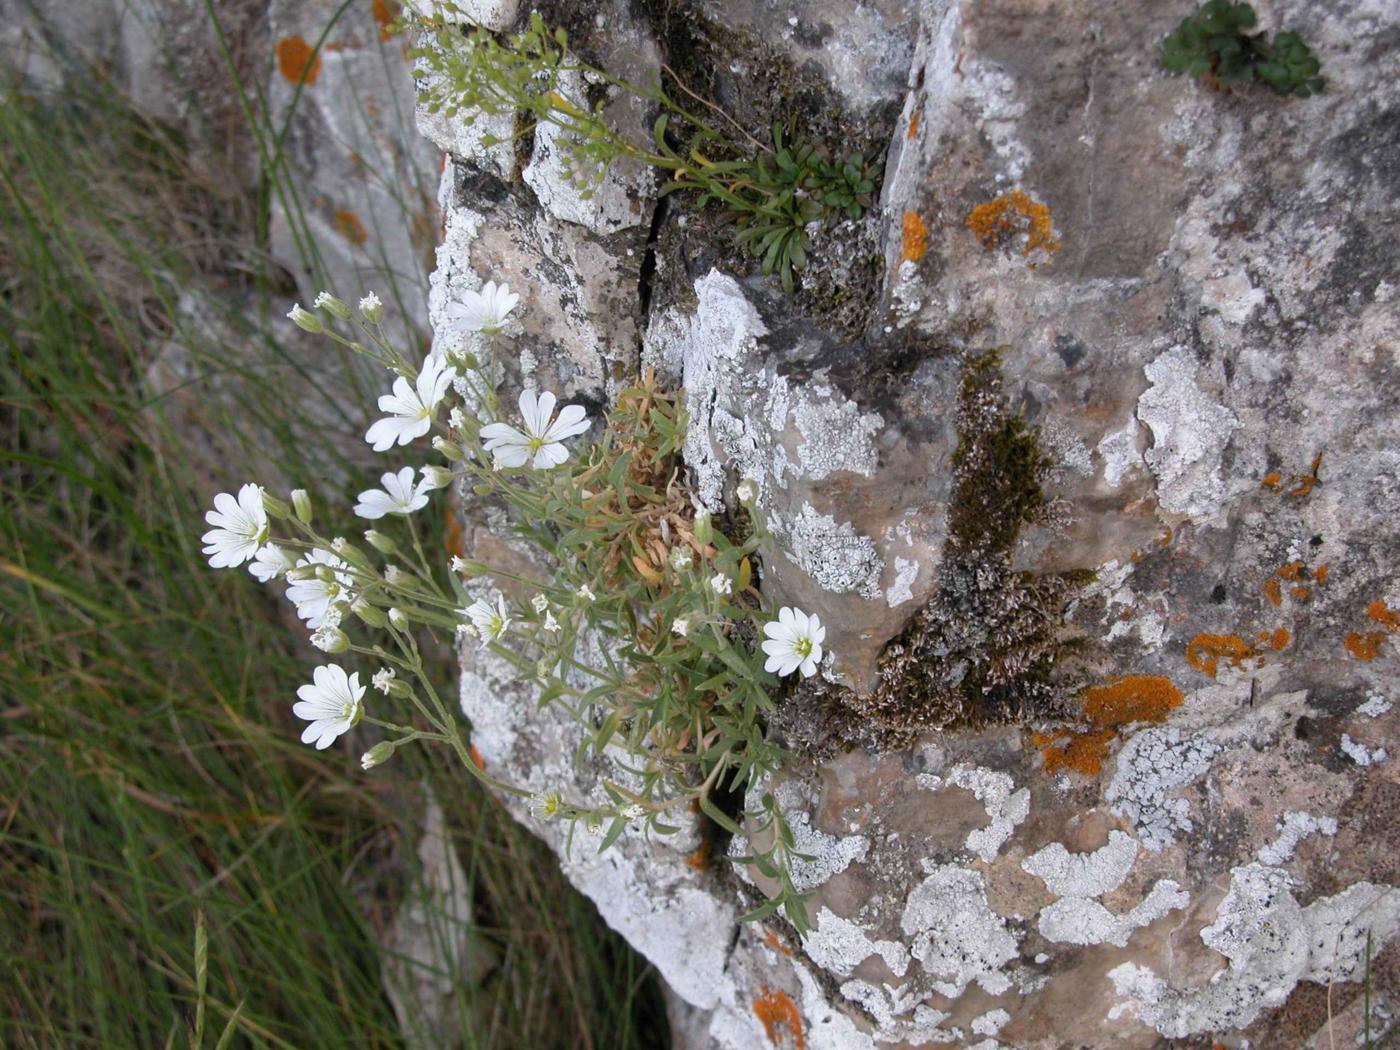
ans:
(314, 596)
(586, 593)
(539, 602)
(794, 640)
(721, 583)
(322, 300)
(456, 420)
(544, 805)
(393, 574)
(550, 623)
(331, 704)
(271, 562)
(492, 623)
(372, 308)
(398, 496)
(747, 490)
(633, 811)
(681, 626)
(483, 311)
(411, 408)
(240, 527)
(540, 439)
(383, 679)
(681, 559)
(459, 564)
(466, 630)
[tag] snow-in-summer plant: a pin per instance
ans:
(647, 628)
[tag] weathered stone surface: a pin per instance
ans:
(1193, 291)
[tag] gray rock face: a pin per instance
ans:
(1112, 609)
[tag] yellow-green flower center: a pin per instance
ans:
(802, 647)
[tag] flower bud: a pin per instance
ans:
(275, 507)
(398, 620)
(302, 573)
(681, 559)
(333, 306)
(301, 503)
(703, 529)
(447, 448)
(370, 615)
(330, 639)
(437, 477)
(377, 755)
(747, 491)
(325, 574)
(380, 542)
(305, 319)
(473, 567)
(372, 309)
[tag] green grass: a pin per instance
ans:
(149, 765)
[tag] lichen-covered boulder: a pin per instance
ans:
(1084, 445)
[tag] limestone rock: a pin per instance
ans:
(1109, 435)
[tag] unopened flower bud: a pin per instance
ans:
(380, 542)
(437, 477)
(747, 491)
(372, 309)
(325, 574)
(377, 755)
(447, 448)
(275, 507)
(398, 619)
(330, 639)
(370, 615)
(301, 503)
(333, 306)
(703, 528)
(305, 319)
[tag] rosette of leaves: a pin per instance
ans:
(1215, 42)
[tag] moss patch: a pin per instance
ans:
(988, 646)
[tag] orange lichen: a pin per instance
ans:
(1277, 639)
(1132, 698)
(1383, 614)
(1273, 590)
(700, 858)
(385, 11)
(1364, 646)
(770, 938)
(1107, 709)
(914, 124)
(1303, 484)
(915, 236)
(778, 1012)
(454, 540)
(1012, 214)
(349, 226)
(1205, 651)
(1302, 594)
(1078, 750)
(1292, 571)
(1320, 574)
(297, 61)
(1166, 538)
(476, 758)
(1272, 480)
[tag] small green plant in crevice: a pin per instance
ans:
(1215, 42)
(641, 623)
(771, 190)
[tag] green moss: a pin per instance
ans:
(990, 645)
